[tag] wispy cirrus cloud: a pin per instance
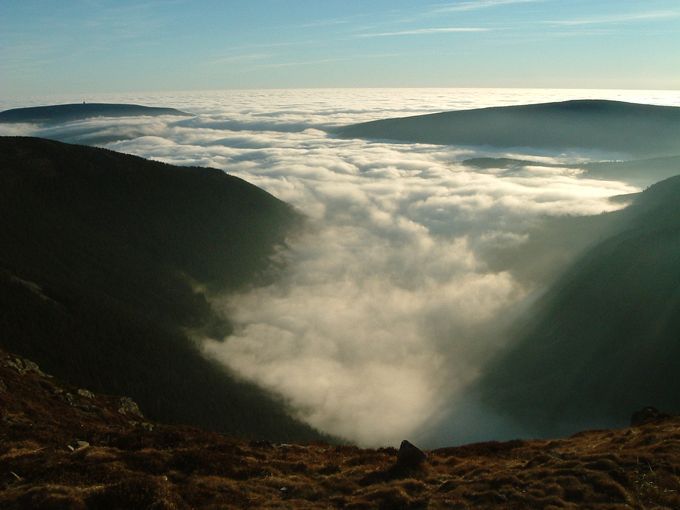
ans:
(426, 31)
(243, 57)
(327, 22)
(619, 18)
(276, 65)
(324, 61)
(473, 5)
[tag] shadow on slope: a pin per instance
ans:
(604, 340)
(613, 126)
(101, 257)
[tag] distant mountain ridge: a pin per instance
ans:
(79, 111)
(613, 126)
(106, 260)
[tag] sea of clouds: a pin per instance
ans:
(389, 307)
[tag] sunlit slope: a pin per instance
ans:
(606, 339)
(613, 126)
(78, 111)
(102, 260)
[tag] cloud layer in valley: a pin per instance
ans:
(388, 306)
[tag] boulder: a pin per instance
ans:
(410, 456)
(129, 407)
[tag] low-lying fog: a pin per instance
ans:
(388, 307)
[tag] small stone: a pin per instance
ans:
(15, 363)
(85, 393)
(78, 446)
(22, 365)
(129, 407)
(69, 398)
(410, 456)
(30, 366)
(147, 426)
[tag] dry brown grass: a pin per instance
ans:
(130, 464)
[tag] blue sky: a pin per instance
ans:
(89, 46)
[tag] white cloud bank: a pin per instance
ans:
(387, 309)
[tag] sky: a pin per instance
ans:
(95, 46)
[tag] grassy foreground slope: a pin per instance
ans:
(64, 447)
(101, 258)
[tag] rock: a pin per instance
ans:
(78, 446)
(410, 456)
(14, 363)
(85, 393)
(129, 407)
(23, 365)
(647, 415)
(144, 425)
(3, 386)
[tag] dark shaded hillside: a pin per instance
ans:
(100, 253)
(605, 339)
(583, 124)
(77, 111)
